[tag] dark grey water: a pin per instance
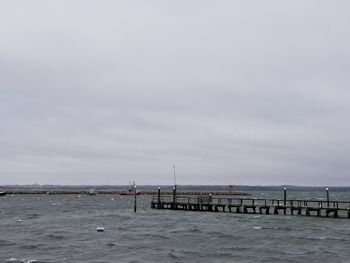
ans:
(62, 228)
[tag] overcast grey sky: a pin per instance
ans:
(232, 92)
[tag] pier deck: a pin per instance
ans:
(254, 205)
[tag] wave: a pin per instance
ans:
(327, 238)
(6, 243)
(55, 236)
(173, 255)
(15, 260)
(32, 216)
(111, 244)
(279, 228)
(30, 246)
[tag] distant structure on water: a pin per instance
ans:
(131, 190)
(92, 191)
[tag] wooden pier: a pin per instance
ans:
(253, 205)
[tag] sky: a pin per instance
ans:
(230, 92)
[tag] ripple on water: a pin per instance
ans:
(55, 236)
(111, 244)
(194, 230)
(16, 260)
(32, 216)
(278, 228)
(30, 246)
(149, 234)
(157, 236)
(175, 255)
(6, 243)
(327, 238)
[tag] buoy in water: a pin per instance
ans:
(100, 229)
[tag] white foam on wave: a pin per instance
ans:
(16, 260)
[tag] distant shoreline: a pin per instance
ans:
(113, 192)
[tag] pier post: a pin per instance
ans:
(327, 193)
(135, 198)
(284, 199)
(174, 197)
(158, 197)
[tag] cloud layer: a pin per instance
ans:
(232, 92)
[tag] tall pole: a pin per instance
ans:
(285, 196)
(327, 197)
(135, 198)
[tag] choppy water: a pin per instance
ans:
(62, 228)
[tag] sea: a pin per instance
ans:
(63, 228)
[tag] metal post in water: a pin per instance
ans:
(158, 197)
(327, 193)
(174, 195)
(174, 182)
(285, 196)
(135, 198)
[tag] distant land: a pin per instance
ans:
(153, 188)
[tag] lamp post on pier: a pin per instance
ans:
(174, 177)
(174, 189)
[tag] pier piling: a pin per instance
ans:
(174, 197)
(158, 197)
(135, 194)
